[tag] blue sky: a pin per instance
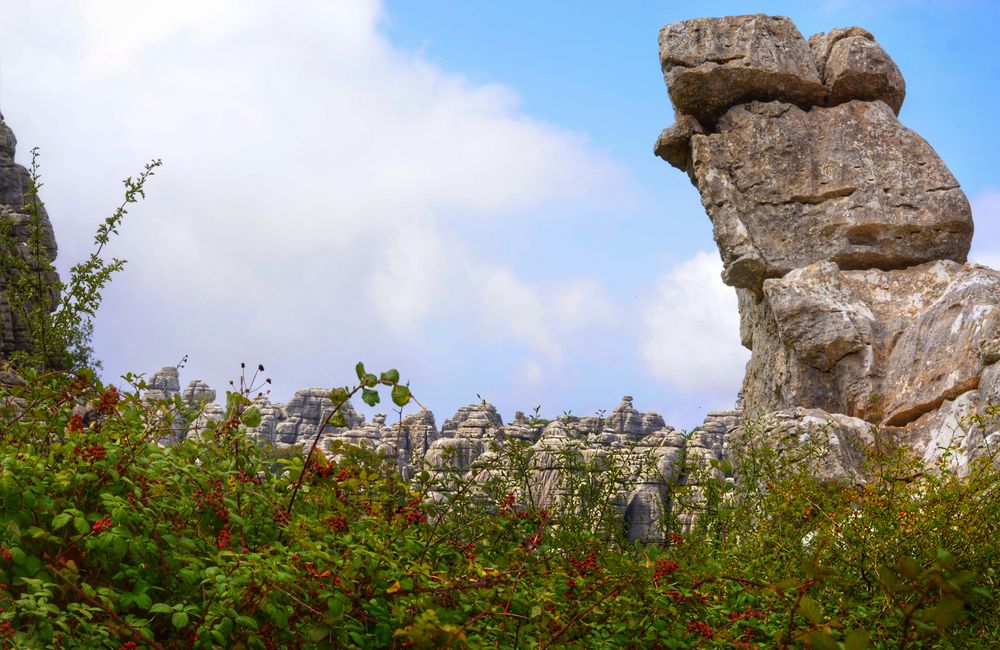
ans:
(465, 191)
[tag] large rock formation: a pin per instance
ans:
(17, 224)
(843, 232)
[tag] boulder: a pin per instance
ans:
(854, 66)
(786, 187)
(674, 144)
(711, 64)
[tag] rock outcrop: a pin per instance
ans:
(843, 232)
(18, 227)
(636, 453)
(787, 187)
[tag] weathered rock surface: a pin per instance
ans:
(849, 184)
(889, 344)
(844, 233)
(831, 445)
(674, 144)
(710, 64)
(197, 392)
(854, 66)
(17, 222)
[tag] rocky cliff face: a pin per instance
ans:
(16, 220)
(843, 232)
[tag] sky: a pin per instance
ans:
(465, 191)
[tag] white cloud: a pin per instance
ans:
(531, 374)
(691, 336)
(312, 173)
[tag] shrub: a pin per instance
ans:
(109, 539)
(57, 316)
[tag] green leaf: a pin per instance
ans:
(909, 566)
(338, 396)
(180, 620)
(233, 401)
(81, 525)
(535, 612)
(809, 609)
(143, 601)
(338, 419)
(246, 621)
(360, 369)
(251, 417)
(857, 640)
(161, 608)
(61, 520)
(400, 395)
(383, 634)
(370, 381)
(317, 633)
(944, 613)
(887, 578)
(32, 565)
(369, 396)
(390, 376)
(823, 641)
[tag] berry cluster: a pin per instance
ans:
(532, 542)
(663, 568)
(76, 423)
(586, 565)
(468, 549)
(213, 500)
(321, 470)
(701, 628)
(246, 478)
(224, 539)
(101, 525)
(412, 513)
(108, 404)
(338, 523)
(89, 454)
(744, 615)
(507, 504)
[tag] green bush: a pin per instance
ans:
(108, 539)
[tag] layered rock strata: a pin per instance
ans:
(843, 232)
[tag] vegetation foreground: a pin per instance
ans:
(110, 540)
(117, 533)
